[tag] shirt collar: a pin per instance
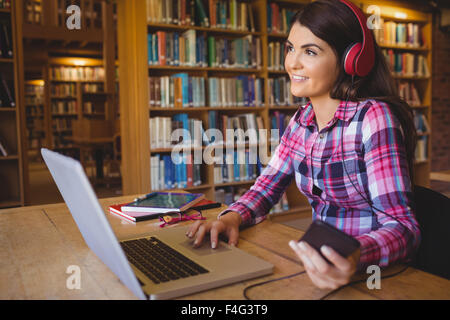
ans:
(306, 117)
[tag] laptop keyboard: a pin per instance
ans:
(158, 261)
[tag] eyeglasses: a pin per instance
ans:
(175, 217)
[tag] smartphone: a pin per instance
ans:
(321, 233)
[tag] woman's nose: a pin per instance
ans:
(293, 61)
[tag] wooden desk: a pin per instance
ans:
(39, 243)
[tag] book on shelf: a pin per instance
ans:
(163, 128)
(6, 47)
(64, 107)
(421, 149)
(5, 4)
(399, 34)
(7, 94)
(70, 73)
(407, 64)
(3, 149)
(280, 93)
(225, 14)
(189, 48)
(408, 92)
(173, 171)
(281, 205)
(237, 166)
(278, 19)
(279, 121)
(421, 122)
(240, 129)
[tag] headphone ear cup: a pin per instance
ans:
(351, 55)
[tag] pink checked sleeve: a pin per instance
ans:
(390, 191)
(268, 188)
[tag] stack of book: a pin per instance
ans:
(407, 64)
(399, 34)
(228, 14)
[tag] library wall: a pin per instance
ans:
(441, 100)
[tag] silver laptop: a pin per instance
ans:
(158, 265)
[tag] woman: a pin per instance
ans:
(378, 141)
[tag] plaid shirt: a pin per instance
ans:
(375, 160)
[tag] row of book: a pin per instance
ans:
(229, 129)
(407, 64)
(240, 128)
(5, 4)
(278, 19)
(92, 87)
(34, 100)
(399, 34)
(64, 107)
(162, 130)
(229, 14)
(421, 152)
(280, 121)
(6, 46)
(190, 49)
(408, 92)
(93, 108)
(167, 174)
(236, 166)
(61, 124)
(421, 122)
(69, 73)
(182, 90)
(35, 111)
(7, 93)
(280, 93)
(63, 89)
(178, 90)
(275, 58)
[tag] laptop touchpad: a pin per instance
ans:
(205, 248)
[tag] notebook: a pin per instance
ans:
(159, 264)
(162, 202)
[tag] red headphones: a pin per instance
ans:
(359, 58)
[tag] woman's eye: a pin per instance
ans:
(310, 52)
(289, 48)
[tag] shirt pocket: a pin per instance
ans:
(337, 184)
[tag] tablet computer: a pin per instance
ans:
(163, 202)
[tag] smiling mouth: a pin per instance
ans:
(298, 78)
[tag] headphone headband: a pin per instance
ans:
(359, 58)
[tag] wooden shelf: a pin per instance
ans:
(135, 118)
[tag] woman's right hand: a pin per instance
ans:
(228, 224)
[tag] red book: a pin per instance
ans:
(131, 216)
(161, 47)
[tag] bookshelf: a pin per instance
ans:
(136, 110)
(12, 175)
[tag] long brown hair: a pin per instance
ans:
(333, 22)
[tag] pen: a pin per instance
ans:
(146, 196)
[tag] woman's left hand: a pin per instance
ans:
(321, 273)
